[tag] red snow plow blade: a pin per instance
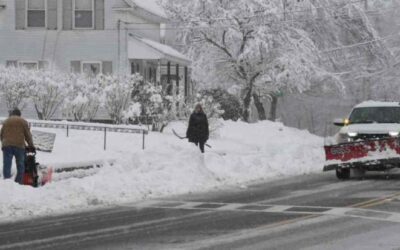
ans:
(374, 155)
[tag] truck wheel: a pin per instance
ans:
(343, 173)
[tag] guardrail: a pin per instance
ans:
(92, 127)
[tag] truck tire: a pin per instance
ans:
(343, 173)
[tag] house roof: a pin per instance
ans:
(150, 6)
(372, 104)
(143, 48)
(121, 4)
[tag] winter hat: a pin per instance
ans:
(15, 112)
(198, 106)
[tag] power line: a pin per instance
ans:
(358, 44)
(213, 27)
(372, 74)
(305, 10)
(264, 23)
(321, 52)
(385, 70)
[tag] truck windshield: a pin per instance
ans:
(375, 115)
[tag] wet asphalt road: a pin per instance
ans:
(306, 212)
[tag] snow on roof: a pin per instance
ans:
(369, 104)
(164, 49)
(151, 6)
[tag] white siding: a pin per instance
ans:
(143, 28)
(7, 16)
(62, 46)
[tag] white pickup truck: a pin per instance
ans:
(368, 139)
(370, 120)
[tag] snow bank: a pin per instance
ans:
(242, 153)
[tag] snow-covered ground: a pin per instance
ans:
(242, 153)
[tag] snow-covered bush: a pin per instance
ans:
(118, 93)
(85, 97)
(150, 98)
(133, 112)
(48, 92)
(230, 104)
(15, 86)
(165, 114)
(150, 104)
(209, 104)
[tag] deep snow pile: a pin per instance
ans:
(241, 153)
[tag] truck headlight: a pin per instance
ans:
(352, 134)
(394, 134)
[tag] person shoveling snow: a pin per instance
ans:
(198, 131)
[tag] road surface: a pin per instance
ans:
(306, 212)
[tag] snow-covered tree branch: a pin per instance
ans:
(15, 86)
(48, 92)
(232, 44)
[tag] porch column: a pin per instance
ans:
(159, 72)
(168, 77)
(177, 79)
(186, 82)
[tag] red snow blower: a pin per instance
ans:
(35, 174)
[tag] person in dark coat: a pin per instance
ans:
(198, 131)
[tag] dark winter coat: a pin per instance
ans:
(198, 128)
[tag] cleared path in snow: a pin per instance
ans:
(306, 212)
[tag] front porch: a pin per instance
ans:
(160, 64)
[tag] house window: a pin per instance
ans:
(29, 65)
(91, 68)
(135, 68)
(83, 14)
(152, 75)
(36, 13)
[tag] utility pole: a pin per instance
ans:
(284, 9)
(119, 46)
(366, 4)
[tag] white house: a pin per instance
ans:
(92, 36)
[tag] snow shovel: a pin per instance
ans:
(182, 137)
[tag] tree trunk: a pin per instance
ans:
(273, 109)
(39, 113)
(246, 106)
(262, 116)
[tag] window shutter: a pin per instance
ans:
(99, 14)
(107, 68)
(20, 14)
(52, 14)
(12, 64)
(76, 66)
(43, 65)
(67, 14)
